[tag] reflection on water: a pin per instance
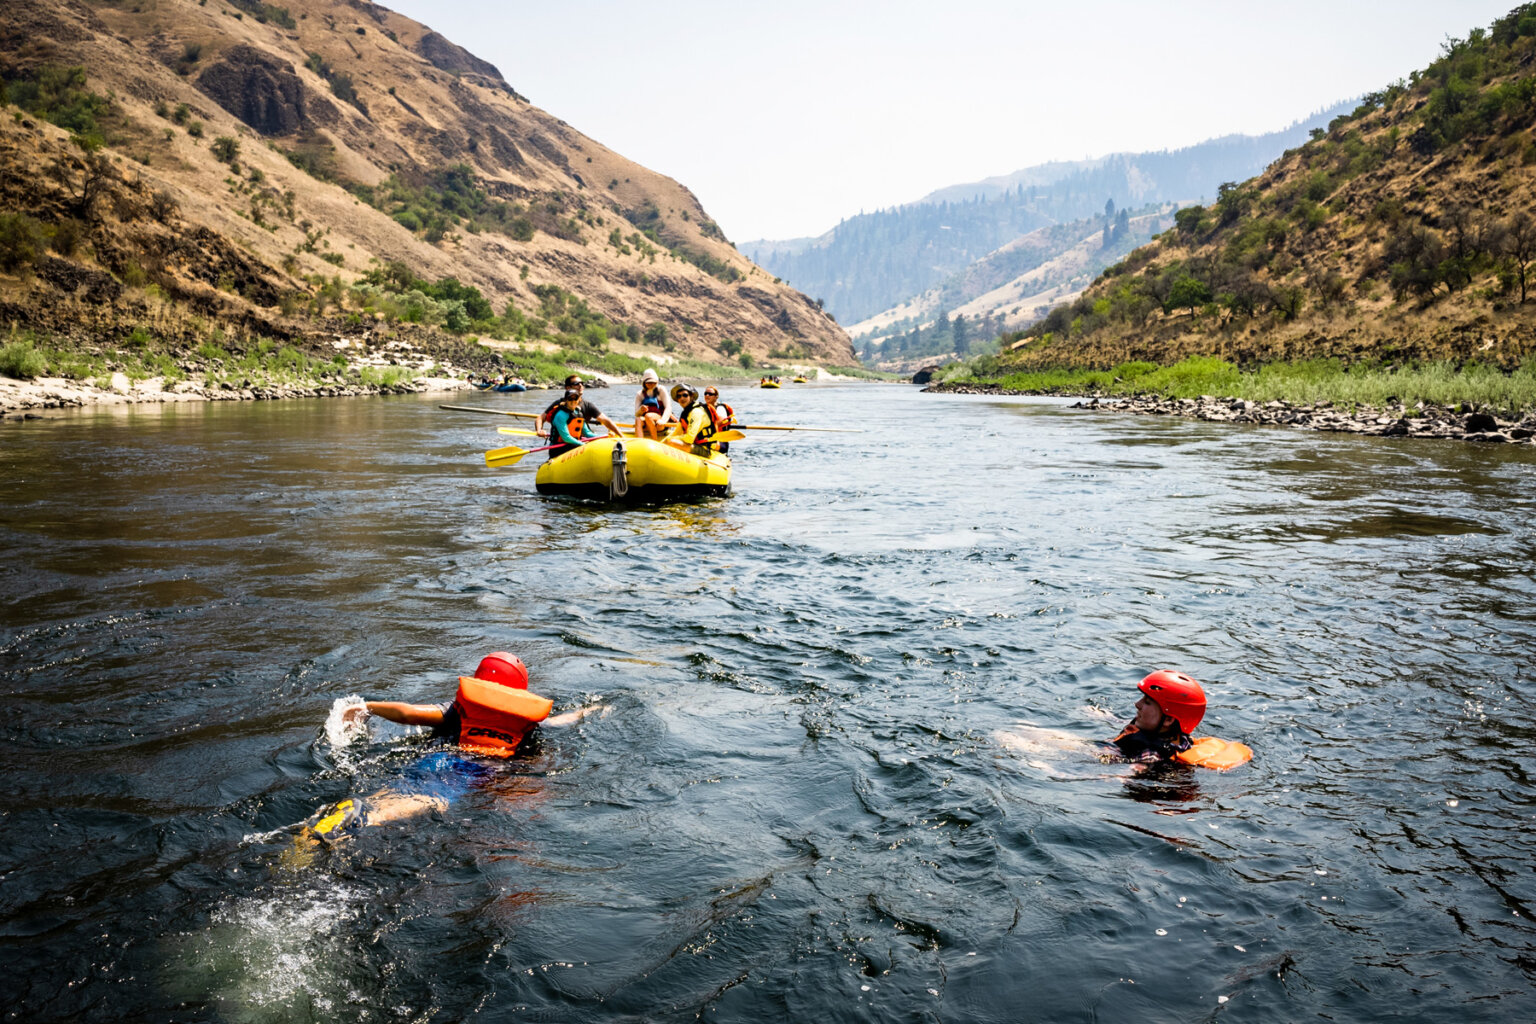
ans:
(814, 794)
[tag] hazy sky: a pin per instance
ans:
(785, 117)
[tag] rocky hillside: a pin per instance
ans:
(1005, 290)
(1404, 230)
(876, 261)
(185, 167)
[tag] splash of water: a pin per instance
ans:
(289, 955)
(344, 726)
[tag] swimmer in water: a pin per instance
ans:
(1170, 707)
(490, 715)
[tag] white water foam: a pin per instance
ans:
(290, 955)
(341, 730)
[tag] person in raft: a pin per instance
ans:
(720, 414)
(696, 423)
(489, 716)
(652, 413)
(1171, 706)
(571, 424)
(589, 413)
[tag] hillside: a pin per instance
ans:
(1005, 290)
(876, 261)
(1402, 231)
(331, 168)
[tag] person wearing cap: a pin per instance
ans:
(571, 424)
(652, 413)
(584, 410)
(696, 425)
(720, 414)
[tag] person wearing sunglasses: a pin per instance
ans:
(696, 425)
(720, 414)
(585, 410)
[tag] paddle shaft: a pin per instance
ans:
(490, 412)
(738, 426)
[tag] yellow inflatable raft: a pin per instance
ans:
(613, 469)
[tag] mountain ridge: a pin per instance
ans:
(874, 261)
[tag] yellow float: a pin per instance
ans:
(634, 468)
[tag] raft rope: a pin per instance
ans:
(618, 485)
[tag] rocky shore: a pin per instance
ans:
(1394, 421)
(29, 399)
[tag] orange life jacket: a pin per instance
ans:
(493, 718)
(1210, 752)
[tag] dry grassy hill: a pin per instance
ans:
(1402, 231)
(295, 171)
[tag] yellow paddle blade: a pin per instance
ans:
(728, 435)
(519, 431)
(504, 456)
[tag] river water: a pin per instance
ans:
(820, 786)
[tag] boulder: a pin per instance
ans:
(1479, 423)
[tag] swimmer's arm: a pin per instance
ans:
(572, 717)
(406, 714)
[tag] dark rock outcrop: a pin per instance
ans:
(259, 89)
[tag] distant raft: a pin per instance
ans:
(634, 468)
(1220, 755)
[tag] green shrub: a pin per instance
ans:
(59, 95)
(226, 148)
(19, 359)
(21, 240)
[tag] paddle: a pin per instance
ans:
(675, 441)
(510, 455)
(491, 412)
(519, 431)
(821, 430)
(739, 426)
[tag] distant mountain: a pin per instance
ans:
(320, 167)
(1402, 231)
(1031, 177)
(1012, 286)
(873, 262)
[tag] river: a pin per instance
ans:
(813, 791)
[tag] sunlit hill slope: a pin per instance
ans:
(302, 170)
(1401, 231)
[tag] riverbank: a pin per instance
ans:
(1395, 420)
(27, 399)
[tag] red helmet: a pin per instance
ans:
(506, 669)
(1178, 695)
